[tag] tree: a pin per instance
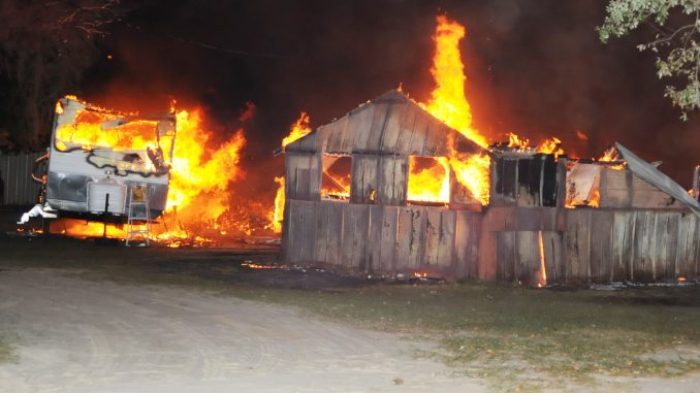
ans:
(45, 47)
(676, 41)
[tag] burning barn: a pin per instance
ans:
(381, 190)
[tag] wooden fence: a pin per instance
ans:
(504, 244)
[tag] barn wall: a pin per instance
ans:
(640, 245)
(383, 239)
(16, 170)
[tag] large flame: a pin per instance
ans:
(429, 179)
(299, 129)
(201, 172)
(448, 101)
(277, 213)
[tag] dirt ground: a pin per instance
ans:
(84, 317)
(76, 335)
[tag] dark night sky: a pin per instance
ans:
(534, 67)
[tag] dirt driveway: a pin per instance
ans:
(76, 335)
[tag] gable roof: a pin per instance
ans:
(390, 124)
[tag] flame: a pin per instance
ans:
(551, 146)
(609, 155)
(542, 277)
(201, 172)
(473, 173)
(277, 213)
(581, 135)
(194, 177)
(429, 179)
(87, 131)
(449, 102)
(517, 143)
(299, 129)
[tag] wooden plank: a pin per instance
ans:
(641, 264)
(686, 257)
(420, 134)
(527, 257)
(335, 136)
(404, 238)
(654, 199)
(303, 175)
(506, 251)
(364, 178)
(669, 245)
(436, 141)
(622, 245)
(355, 224)
(578, 245)
(359, 127)
(393, 129)
(307, 231)
(447, 240)
(374, 238)
(405, 136)
(466, 251)
(418, 229)
(431, 243)
(393, 180)
(373, 140)
(332, 231)
(601, 247)
(388, 253)
(555, 262)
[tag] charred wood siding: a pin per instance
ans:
(384, 239)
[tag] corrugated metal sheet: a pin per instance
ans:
(16, 170)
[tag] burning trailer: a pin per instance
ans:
(105, 165)
(544, 218)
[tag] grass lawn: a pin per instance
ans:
(516, 338)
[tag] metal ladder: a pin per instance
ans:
(135, 234)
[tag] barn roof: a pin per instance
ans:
(390, 124)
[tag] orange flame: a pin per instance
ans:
(200, 174)
(518, 143)
(429, 179)
(299, 129)
(551, 146)
(542, 277)
(449, 102)
(276, 217)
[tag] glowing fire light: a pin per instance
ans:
(429, 179)
(449, 104)
(276, 220)
(299, 129)
(542, 277)
(551, 146)
(200, 175)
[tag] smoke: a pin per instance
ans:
(534, 67)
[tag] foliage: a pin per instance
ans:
(676, 27)
(45, 47)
